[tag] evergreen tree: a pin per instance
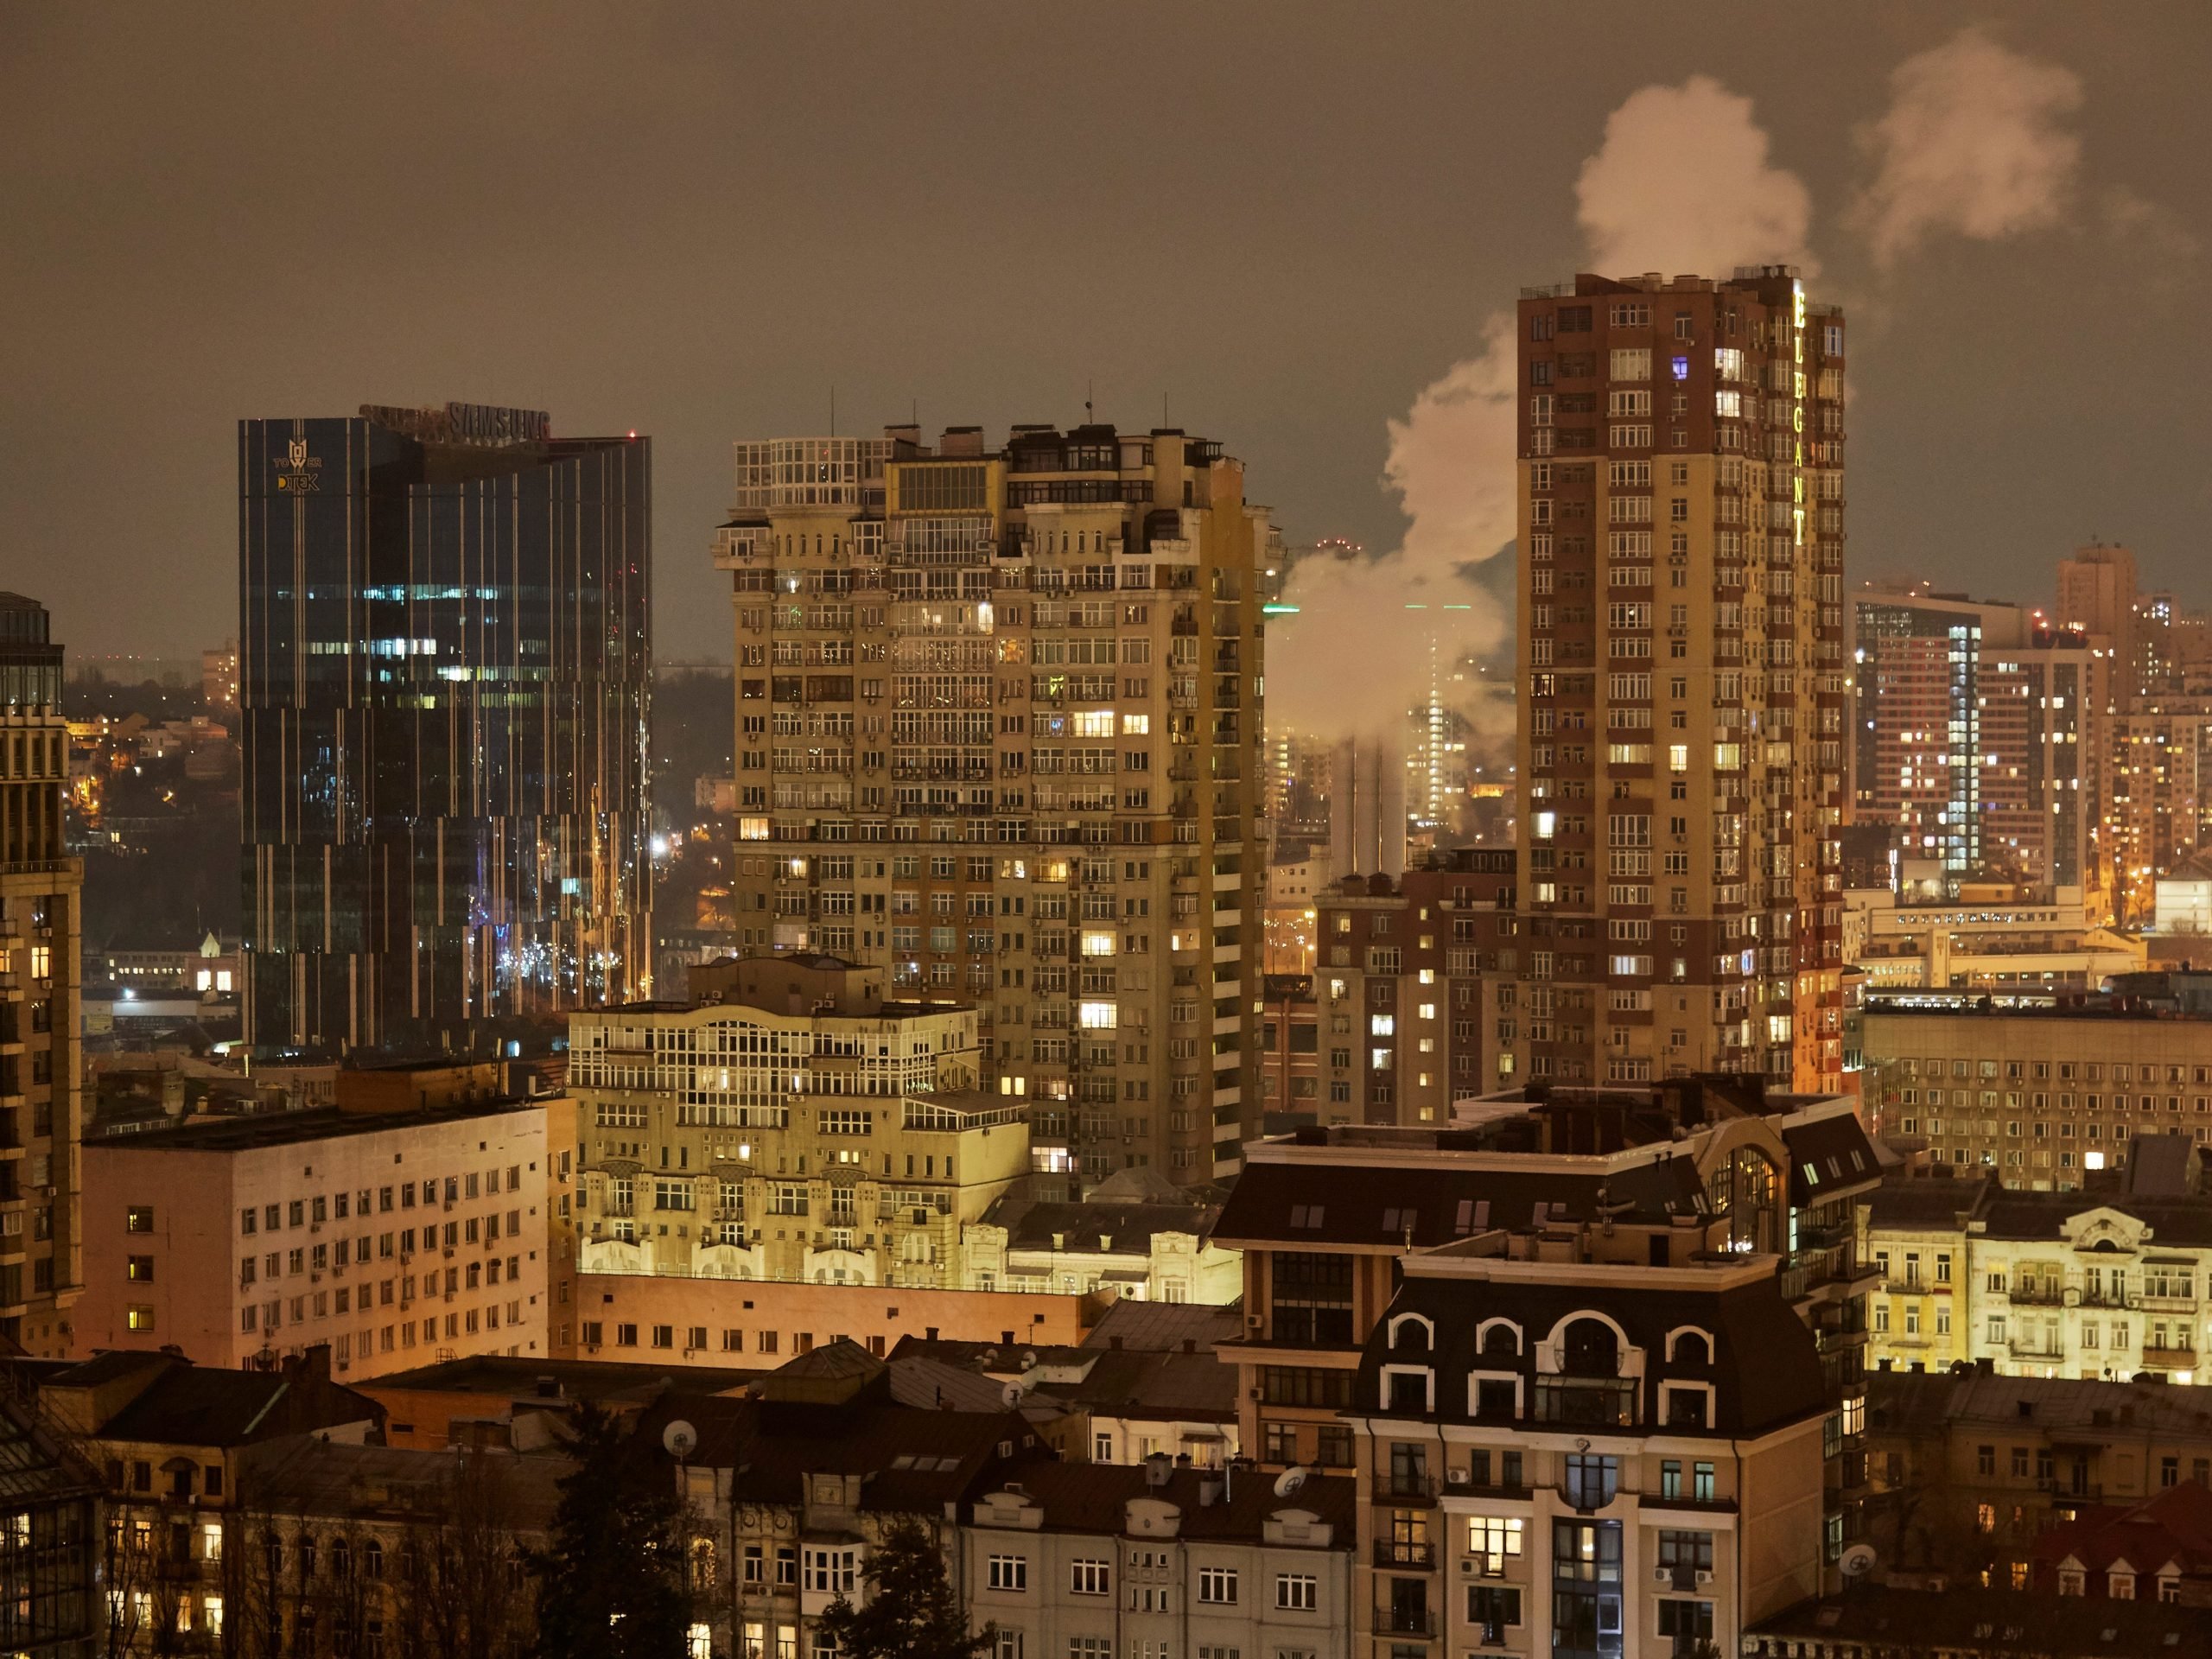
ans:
(911, 1611)
(613, 1583)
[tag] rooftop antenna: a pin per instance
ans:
(833, 411)
(1090, 387)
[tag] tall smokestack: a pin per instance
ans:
(1367, 809)
(1343, 854)
(1390, 810)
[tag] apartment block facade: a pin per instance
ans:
(1572, 1452)
(1413, 993)
(394, 1236)
(1980, 734)
(798, 1122)
(42, 1060)
(1681, 748)
(2107, 1286)
(1330, 1219)
(998, 732)
(2036, 1095)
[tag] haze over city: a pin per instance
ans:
(1150, 832)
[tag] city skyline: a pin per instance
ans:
(2075, 455)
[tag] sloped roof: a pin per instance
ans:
(1091, 1225)
(2173, 1526)
(1089, 1498)
(1765, 1366)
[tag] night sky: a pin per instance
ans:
(1285, 221)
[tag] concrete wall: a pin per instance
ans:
(375, 1310)
(797, 1317)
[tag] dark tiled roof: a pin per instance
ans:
(916, 1459)
(1351, 1199)
(1089, 1498)
(1918, 1403)
(1765, 1369)
(257, 1129)
(2043, 1215)
(2170, 1527)
(1031, 1226)
(576, 1379)
(37, 1467)
(1828, 1155)
(308, 1475)
(1159, 1326)
(1887, 1623)
(1923, 1203)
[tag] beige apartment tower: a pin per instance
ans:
(997, 728)
(1680, 750)
(41, 891)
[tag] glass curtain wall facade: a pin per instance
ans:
(444, 679)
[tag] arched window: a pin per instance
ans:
(1591, 1349)
(1692, 1348)
(1501, 1341)
(1410, 1333)
(373, 1558)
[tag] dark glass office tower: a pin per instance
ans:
(444, 662)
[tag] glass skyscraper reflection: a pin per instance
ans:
(444, 680)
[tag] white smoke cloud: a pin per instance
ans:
(1683, 183)
(1357, 656)
(1974, 141)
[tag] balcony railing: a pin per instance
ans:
(2169, 1359)
(1405, 1621)
(1403, 1486)
(1392, 1552)
(2037, 1293)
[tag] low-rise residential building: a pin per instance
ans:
(793, 1485)
(2098, 1285)
(1413, 989)
(789, 1123)
(1145, 1383)
(2039, 1092)
(405, 1222)
(172, 1442)
(1327, 1218)
(1970, 1469)
(367, 1550)
(50, 1556)
(1570, 1445)
(2003, 942)
(1153, 1249)
(635, 1316)
(1155, 1561)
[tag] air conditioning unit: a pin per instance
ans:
(1467, 1565)
(1456, 1476)
(1705, 1576)
(1662, 1575)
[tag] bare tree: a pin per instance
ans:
(459, 1591)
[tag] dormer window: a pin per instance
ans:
(2120, 1586)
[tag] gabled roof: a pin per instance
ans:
(912, 1459)
(1092, 1226)
(2172, 1527)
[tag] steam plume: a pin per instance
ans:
(1356, 658)
(1973, 142)
(1683, 183)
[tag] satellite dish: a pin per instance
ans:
(1288, 1482)
(1011, 1395)
(680, 1438)
(1858, 1561)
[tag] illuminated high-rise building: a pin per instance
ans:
(1680, 744)
(444, 668)
(999, 731)
(42, 890)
